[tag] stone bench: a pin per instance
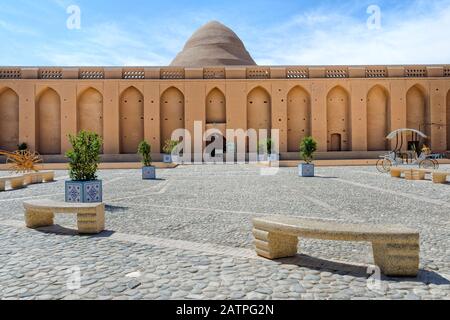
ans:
(440, 177)
(16, 182)
(419, 174)
(40, 213)
(48, 176)
(410, 173)
(39, 177)
(395, 248)
(396, 172)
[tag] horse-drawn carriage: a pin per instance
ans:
(415, 156)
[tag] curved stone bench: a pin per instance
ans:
(40, 213)
(16, 182)
(395, 248)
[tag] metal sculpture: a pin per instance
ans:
(22, 161)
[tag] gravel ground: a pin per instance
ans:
(196, 207)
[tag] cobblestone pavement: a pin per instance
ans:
(188, 236)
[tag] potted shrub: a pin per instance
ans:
(308, 147)
(148, 171)
(265, 152)
(169, 146)
(83, 164)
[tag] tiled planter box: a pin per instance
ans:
(262, 157)
(167, 158)
(306, 170)
(84, 191)
(148, 173)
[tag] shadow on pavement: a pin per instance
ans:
(301, 260)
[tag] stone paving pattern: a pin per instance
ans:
(164, 234)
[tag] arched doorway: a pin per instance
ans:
(377, 119)
(48, 123)
(131, 120)
(338, 119)
(90, 111)
(9, 120)
(336, 142)
(299, 117)
(172, 113)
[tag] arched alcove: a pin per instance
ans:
(90, 111)
(338, 120)
(9, 120)
(299, 117)
(216, 107)
(448, 120)
(259, 109)
(417, 113)
(48, 122)
(377, 119)
(131, 113)
(172, 113)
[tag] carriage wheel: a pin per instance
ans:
(429, 164)
(436, 164)
(23, 161)
(384, 165)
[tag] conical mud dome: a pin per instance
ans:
(213, 45)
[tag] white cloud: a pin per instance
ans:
(318, 38)
(105, 44)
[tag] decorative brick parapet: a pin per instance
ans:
(229, 72)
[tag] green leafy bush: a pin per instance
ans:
(145, 151)
(169, 146)
(265, 146)
(84, 156)
(308, 147)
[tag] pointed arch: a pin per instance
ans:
(417, 110)
(338, 120)
(9, 120)
(172, 113)
(90, 111)
(377, 118)
(448, 120)
(216, 111)
(48, 122)
(131, 124)
(299, 117)
(259, 109)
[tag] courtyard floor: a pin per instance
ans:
(188, 236)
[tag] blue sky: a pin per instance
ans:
(276, 32)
